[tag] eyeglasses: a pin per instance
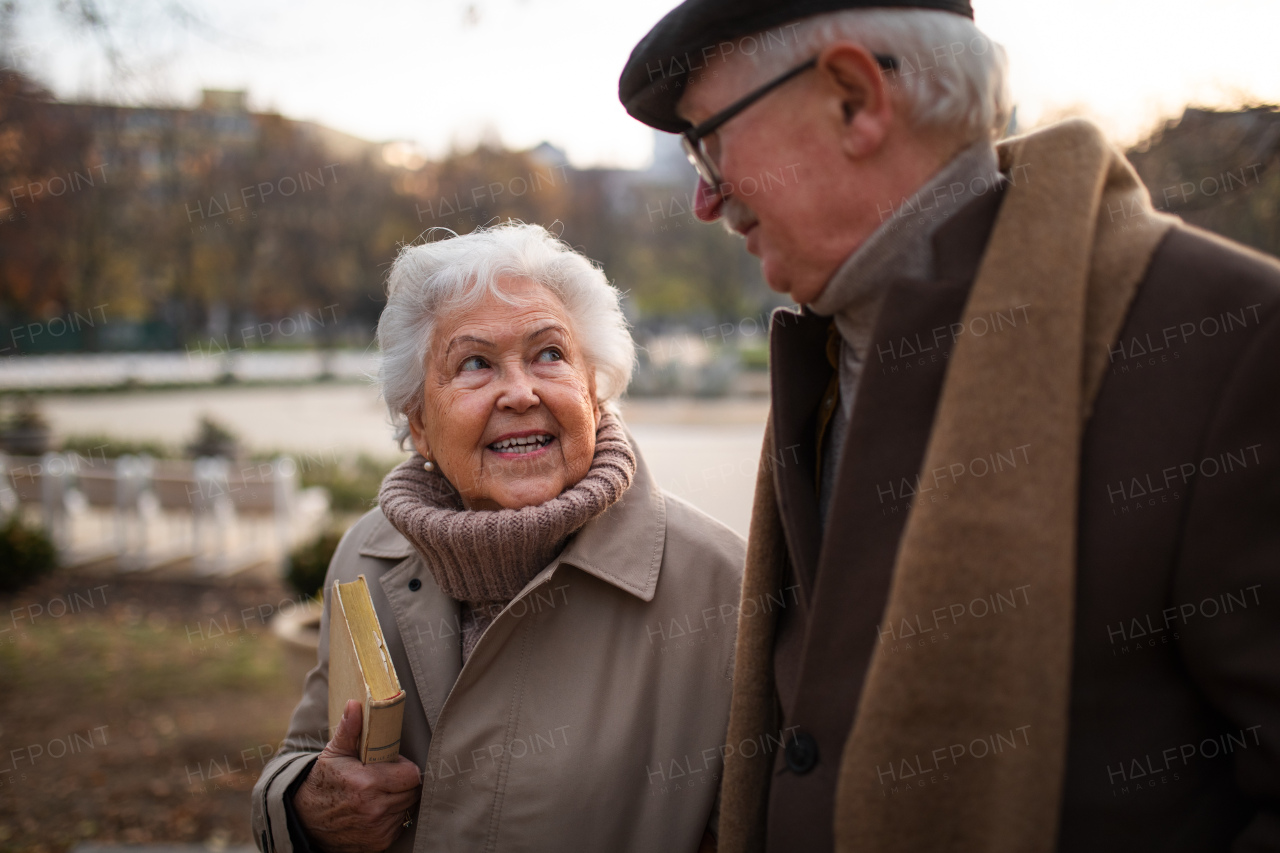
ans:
(693, 139)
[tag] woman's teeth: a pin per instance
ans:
(525, 444)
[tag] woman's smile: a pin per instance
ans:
(525, 444)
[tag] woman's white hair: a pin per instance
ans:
(454, 274)
(951, 77)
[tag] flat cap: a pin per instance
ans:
(697, 30)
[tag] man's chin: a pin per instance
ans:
(774, 274)
(780, 281)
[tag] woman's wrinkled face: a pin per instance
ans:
(510, 411)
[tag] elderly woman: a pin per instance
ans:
(563, 629)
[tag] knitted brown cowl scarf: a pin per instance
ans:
(483, 558)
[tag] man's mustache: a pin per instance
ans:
(736, 216)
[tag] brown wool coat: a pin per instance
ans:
(901, 695)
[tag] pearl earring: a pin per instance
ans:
(428, 465)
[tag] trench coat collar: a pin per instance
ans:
(385, 542)
(623, 546)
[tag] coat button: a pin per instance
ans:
(801, 753)
(415, 585)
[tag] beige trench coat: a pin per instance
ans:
(590, 716)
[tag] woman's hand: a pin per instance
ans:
(348, 806)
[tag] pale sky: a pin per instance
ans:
(442, 72)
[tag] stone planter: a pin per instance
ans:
(299, 633)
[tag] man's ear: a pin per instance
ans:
(853, 78)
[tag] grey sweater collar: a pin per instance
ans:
(902, 246)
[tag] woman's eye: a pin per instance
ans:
(551, 354)
(475, 362)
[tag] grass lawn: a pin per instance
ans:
(136, 711)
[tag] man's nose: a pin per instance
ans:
(707, 202)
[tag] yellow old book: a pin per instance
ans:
(360, 668)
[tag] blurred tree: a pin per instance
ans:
(1219, 170)
(40, 154)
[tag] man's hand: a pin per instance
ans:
(346, 806)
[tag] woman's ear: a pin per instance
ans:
(418, 435)
(595, 401)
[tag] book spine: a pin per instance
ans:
(382, 737)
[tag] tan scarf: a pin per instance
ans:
(1073, 238)
(483, 557)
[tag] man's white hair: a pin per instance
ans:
(455, 274)
(951, 77)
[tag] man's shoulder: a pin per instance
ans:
(1205, 318)
(1204, 264)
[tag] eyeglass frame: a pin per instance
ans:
(691, 138)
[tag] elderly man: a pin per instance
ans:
(1021, 481)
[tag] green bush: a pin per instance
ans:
(754, 358)
(213, 439)
(352, 483)
(26, 554)
(108, 447)
(309, 562)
